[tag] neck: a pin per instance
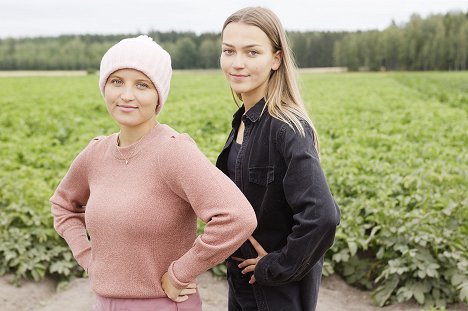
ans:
(249, 103)
(131, 135)
(251, 98)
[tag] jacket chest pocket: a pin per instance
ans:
(262, 175)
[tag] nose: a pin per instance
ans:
(238, 61)
(127, 95)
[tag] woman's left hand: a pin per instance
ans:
(177, 295)
(250, 264)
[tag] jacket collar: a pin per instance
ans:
(253, 115)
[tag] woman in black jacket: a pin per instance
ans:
(272, 156)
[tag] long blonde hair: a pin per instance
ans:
(282, 96)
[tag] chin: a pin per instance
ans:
(126, 123)
(239, 90)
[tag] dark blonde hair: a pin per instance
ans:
(282, 96)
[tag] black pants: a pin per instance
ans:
(295, 296)
(241, 295)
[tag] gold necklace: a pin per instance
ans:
(133, 151)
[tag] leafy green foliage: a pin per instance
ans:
(392, 148)
(393, 152)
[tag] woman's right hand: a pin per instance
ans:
(177, 295)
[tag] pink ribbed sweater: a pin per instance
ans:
(141, 217)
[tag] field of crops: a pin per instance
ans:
(393, 147)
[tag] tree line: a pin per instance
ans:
(437, 42)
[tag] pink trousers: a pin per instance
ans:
(193, 303)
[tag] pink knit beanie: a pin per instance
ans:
(142, 54)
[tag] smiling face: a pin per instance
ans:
(131, 98)
(247, 60)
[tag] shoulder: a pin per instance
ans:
(282, 126)
(86, 155)
(98, 139)
(290, 138)
(181, 144)
(96, 146)
(170, 137)
(291, 130)
(175, 145)
(280, 131)
(180, 157)
(98, 142)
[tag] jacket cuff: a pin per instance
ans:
(174, 280)
(261, 269)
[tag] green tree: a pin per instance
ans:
(209, 53)
(185, 54)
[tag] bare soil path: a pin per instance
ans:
(335, 294)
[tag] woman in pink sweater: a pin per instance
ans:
(137, 195)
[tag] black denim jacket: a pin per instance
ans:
(279, 172)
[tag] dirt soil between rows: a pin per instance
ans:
(335, 294)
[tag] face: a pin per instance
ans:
(131, 98)
(247, 59)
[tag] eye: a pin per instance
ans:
(228, 51)
(253, 53)
(142, 85)
(116, 82)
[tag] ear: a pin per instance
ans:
(157, 107)
(277, 59)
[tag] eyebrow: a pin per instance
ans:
(244, 47)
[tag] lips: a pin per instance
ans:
(126, 108)
(239, 76)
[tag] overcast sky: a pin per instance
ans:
(25, 18)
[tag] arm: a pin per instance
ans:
(229, 217)
(316, 214)
(68, 209)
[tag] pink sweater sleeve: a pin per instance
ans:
(229, 217)
(68, 209)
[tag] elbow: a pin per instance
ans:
(248, 219)
(240, 221)
(329, 236)
(252, 224)
(337, 212)
(329, 223)
(249, 223)
(252, 220)
(331, 218)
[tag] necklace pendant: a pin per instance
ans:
(126, 161)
